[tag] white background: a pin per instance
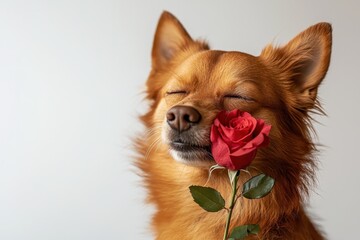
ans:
(71, 77)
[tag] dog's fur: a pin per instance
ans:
(279, 86)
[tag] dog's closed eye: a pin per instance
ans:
(240, 97)
(176, 92)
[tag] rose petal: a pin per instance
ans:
(242, 151)
(266, 130)
(256, 142)
(234, 135)
(225, 117)
(242, 161)
(223, 135)
(234, 146)
(235, 138)
(221, 154)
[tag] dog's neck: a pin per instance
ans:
(289, 161)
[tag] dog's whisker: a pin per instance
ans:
(153, 131)
(152, 145)
(155, 128)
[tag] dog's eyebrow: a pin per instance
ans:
(248, 80)
(176, 76)
(240, 81)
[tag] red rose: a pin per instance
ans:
(235, 138)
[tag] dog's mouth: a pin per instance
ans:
(190, 153)
(182, 146)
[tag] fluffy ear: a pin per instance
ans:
(170, 37)
(302, 63)
(171, 42)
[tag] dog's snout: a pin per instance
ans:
(181, 118)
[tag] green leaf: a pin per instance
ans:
(208, 198)
(239, 232)
(243, 231)
(258, 186)
(253, 229)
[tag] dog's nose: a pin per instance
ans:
(181, 118)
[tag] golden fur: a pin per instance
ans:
(281, 84)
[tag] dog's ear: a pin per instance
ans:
(170, 37)
(302, 63)
(171, 42)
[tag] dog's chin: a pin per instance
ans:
(193, 156)
(191, 148)
(191, 159)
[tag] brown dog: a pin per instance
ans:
(188, 85)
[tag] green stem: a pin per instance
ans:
(232, 204)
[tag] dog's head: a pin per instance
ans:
(189, 84)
